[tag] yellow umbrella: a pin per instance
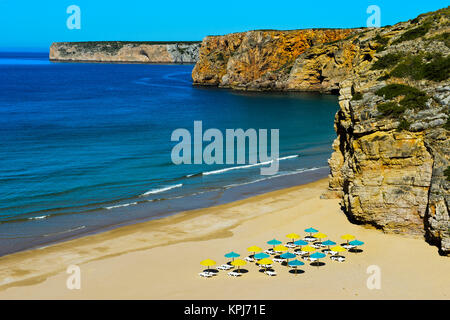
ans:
(238, 263)
(208, 263)
(337, 249)
(254, 249)
(308, 249)
(265, 261)
(280, 248)
(348, 237)
(320, 235)
(293, 236)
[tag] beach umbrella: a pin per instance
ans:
(348, 237)
(301, 243)
(254, 249)
(311, 231)
(328, 243)
(261, 255)
(338, 249)
(274, 242)
(295, 263)
(232, 255)
(265, 262)
(320, 235)
(317, 255)
(280, 248)
(308, 249)
(293, 236)
(356, 243)
(239, 263)
(208, 263)
(288, 256)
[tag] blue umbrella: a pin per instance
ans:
(232, 255)
(295, 263)
(318, 255)
(300, 243)
(311, 230)
(356, 243)
(288, 255)
(328, 243)
(274, 242)
(261, 255)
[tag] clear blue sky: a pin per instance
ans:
(34, 25)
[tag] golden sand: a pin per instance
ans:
(160, 259)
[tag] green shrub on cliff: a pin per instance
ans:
(413, 98)
(394, 90)
(411, 66)
(447, 124)
(444, 37)
(357, 96)
(391, 109)
(415, 33)
(384, 77)
(404, 125)
(430, 66)
(387, 61)
(447, 173)
(382, 41)
(438, 69)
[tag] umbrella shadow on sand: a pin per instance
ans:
(296, 271)
(355, 250)
(211, 270)
(264, 269)
(240, 270)
(317, 263)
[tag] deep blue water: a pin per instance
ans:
(87, 146)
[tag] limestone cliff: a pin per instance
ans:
(256, 60)
(125, 52)
(391, 156)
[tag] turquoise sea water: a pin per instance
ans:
(84, 147)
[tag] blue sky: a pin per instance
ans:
(34, 25)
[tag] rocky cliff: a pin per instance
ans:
(391, 156)
(125, 52)
(257, 60)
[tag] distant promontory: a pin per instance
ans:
(126, 51)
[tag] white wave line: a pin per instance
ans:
(248, 165)
(153, 191)
(121, 205)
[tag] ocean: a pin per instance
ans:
(87, 147)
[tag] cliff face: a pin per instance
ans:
(391, 156)
(118, 51)
(256, 60)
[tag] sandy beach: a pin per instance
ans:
(160, 259)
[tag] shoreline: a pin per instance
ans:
(129, 230)
(159, 259)
(81, 226)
